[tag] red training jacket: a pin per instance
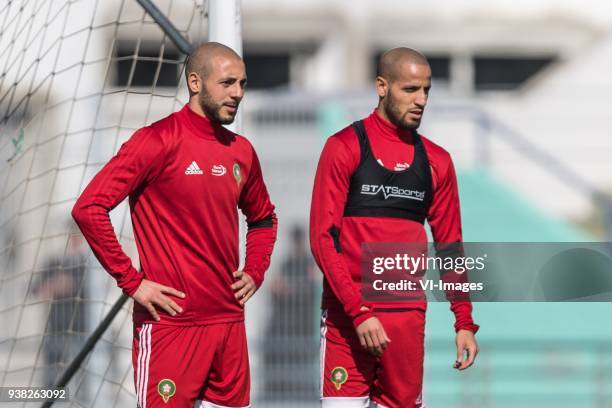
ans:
(185, 178)
(340, 157)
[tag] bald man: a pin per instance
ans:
(378, 180)
(186, 176)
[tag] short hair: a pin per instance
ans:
(200, 58)
(390, 61)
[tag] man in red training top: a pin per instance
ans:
(374, 351)
(185, 176)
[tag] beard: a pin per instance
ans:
(212, 110)
(396, 117)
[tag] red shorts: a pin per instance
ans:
(179, 366)
(351, 376)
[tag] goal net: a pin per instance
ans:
(78, 78)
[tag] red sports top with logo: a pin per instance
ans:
(392, 148)
(185, 178)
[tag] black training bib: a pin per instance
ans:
(379, 192)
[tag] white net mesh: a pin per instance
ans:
(78, 77)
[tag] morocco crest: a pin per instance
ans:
(339, 376)
(166, 388)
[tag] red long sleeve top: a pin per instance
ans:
(185, 178)
(394, 150)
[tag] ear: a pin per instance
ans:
(382, 86)
(194, 82)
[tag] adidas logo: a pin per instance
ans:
(193, 169)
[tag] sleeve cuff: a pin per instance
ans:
(257, 277)
(471, 327)
(130, 284)
(361, 317)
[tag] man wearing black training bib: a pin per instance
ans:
(378, 180)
